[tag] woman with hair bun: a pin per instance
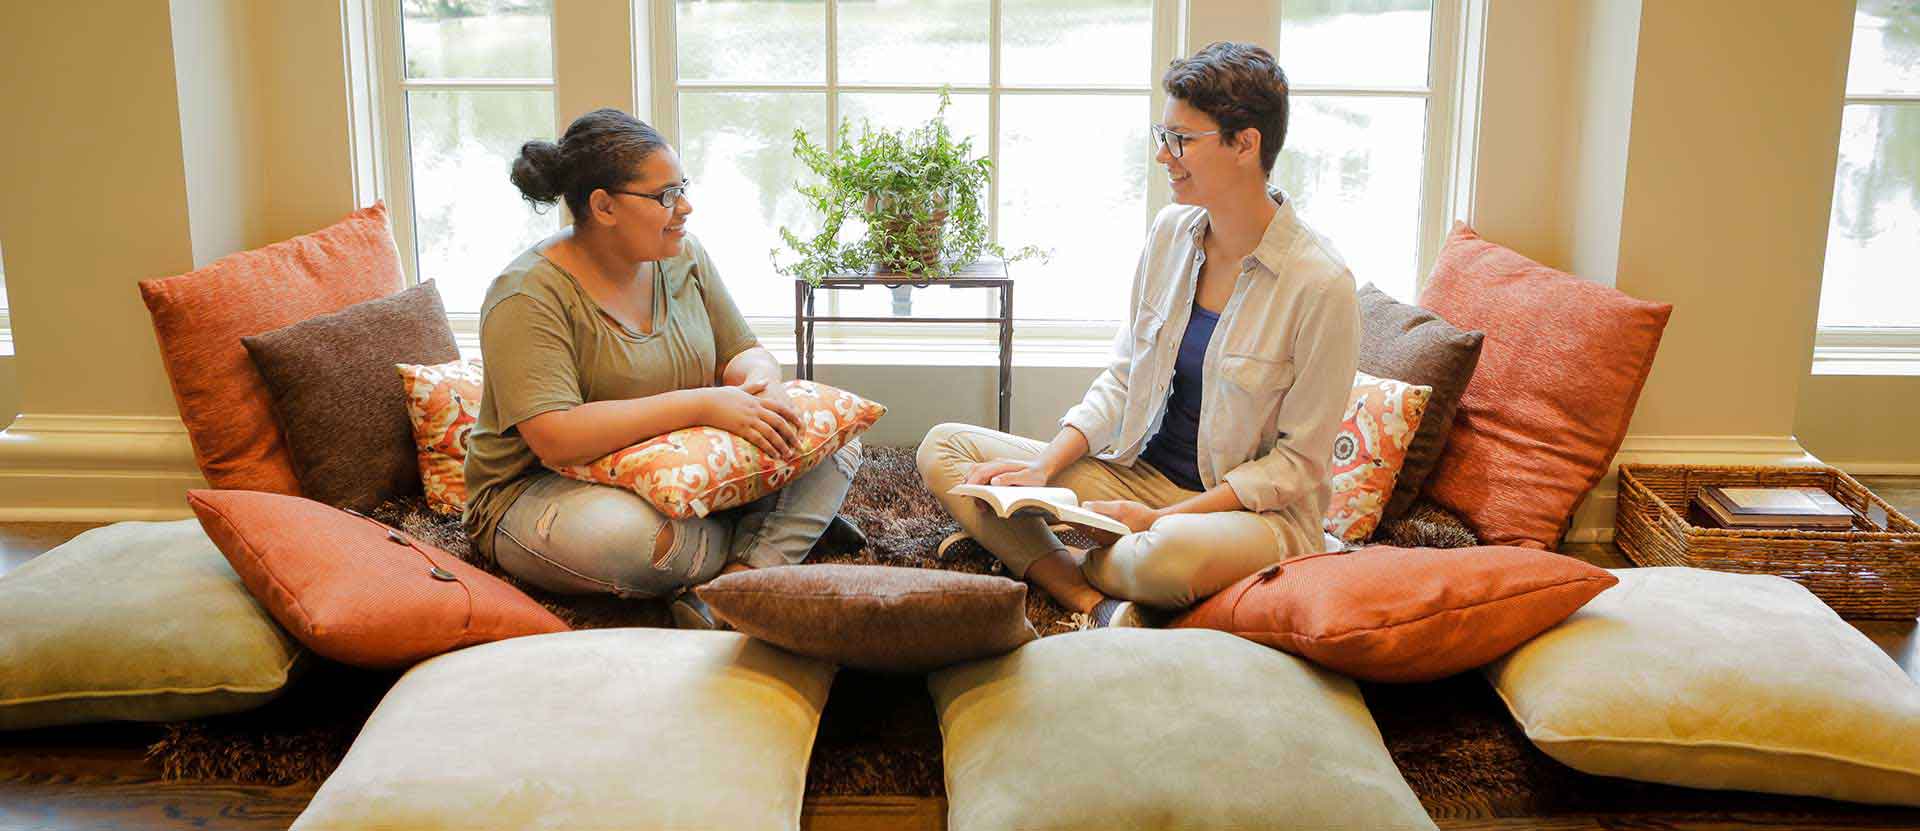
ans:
(612, 331)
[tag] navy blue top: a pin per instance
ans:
(1175, 450)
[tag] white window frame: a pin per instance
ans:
(1445, 175)
(377, 91)
(1868, 350)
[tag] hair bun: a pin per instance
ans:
(537, 172)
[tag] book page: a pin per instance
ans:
(1005, 496)
(1795, 500)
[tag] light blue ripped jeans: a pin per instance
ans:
(573, 537)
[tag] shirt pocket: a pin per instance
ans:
(1146, 333)
(1257, 376)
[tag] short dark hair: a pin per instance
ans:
(1238, 85)
(600, 150)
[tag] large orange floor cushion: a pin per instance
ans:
(200, 317)
(1560, 370)
(353, 590)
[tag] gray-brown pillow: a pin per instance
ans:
(1408, 343)
(879, 618)
(339, 401)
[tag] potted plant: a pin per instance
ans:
(918, 192)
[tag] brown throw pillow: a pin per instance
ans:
(339, 402)
(880, 618)
(1408, 343)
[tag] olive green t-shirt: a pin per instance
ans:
(548, 346)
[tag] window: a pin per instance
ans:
(467, 81)
(1057, 93)
(1367, 143)
(1870, 295)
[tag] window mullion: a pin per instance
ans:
(398, 136)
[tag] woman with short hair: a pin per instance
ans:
(615, 330)
(1209, 433)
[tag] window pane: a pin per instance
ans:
(1076, 42)
(1886, 47)
(1873, 246)
(1355, 42)
(751, 41)
(469, 220)
(738, 150)
(1352, 165)
(967, 118)
(478, 38)
(926, 42)
(1073, 179)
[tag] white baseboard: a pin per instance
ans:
(93, 468)
(1593, 519)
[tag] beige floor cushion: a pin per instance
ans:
(140, 621)
(636, 729)
(1715, 680)
(1162, 729)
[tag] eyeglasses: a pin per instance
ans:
(1176, 143)
(668, 197)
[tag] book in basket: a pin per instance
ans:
(1059, 503)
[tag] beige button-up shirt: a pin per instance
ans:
(1276, 379)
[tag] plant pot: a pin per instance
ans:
(902, 301)
(921, 254)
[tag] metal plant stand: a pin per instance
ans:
(985, 273)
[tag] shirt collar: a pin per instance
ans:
(1274, 243)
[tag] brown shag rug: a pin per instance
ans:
(1453, 739)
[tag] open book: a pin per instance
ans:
(1059, 503)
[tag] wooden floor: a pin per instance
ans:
(96, 777)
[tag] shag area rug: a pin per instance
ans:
(1453, 739)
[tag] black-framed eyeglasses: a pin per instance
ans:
(668, 197)
(1176, 143)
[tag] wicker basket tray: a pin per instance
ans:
(1868, 572)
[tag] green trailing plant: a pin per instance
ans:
(918, 191)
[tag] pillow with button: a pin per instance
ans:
(357, 591)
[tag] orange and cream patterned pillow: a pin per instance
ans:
(443, 401)
(699, 470)
(1382, 417)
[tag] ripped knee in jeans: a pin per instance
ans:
(663, 547)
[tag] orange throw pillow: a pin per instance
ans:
(1383, 416)
(1560, 371)
(200, 317)
(699, 470)
(1403, 614)
(353, 590)
(443, 402)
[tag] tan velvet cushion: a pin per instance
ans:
(1152, 729)
(339, 402)
(1407, 343)
(603, 728)
(1560, 370)
(1399, 614)
(140, 621)
(356, 591)
(879, 618)
(199, 318)
(1715, 680)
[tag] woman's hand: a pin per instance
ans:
(1007, 473)
(775, 395)
(741, 411)
(1132, 514)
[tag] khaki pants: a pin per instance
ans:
(1180, 560)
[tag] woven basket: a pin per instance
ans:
(1869, 572)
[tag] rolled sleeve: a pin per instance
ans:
(1326, 354)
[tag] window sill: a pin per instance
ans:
(1043, 353)
(1885, 361)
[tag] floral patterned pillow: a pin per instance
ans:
(1382, 417)
(699, 470)
(443, 401)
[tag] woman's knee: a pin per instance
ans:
(940, 453)
(613, 547)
